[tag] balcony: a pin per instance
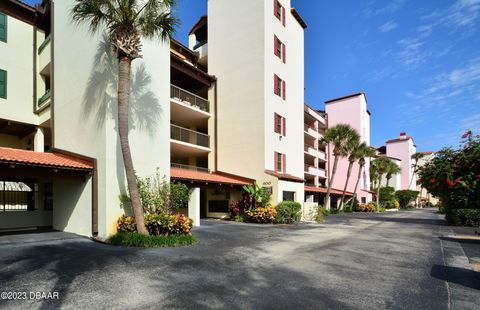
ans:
(186, 142)
(188, 167)
(311, 170)
(44, 55)
(311, 131)
(189, 99)
(314, 152)
(202, 48)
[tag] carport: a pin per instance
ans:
(31, 185)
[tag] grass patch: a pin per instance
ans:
(138, 240)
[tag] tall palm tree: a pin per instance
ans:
(353, 156)
(415, 157)
(340, 137)
(364, 151)
(392, 169)
(125, 22)
(380, 166)
(373, 176)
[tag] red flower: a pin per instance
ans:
(467, 134)
(477, 177)
(432, 181)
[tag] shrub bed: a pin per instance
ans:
(288, 212)
(262, 215)
(138, 240)
(465, 217)
(369, 207)
(158, 224)
(321, 214)
(405, 197)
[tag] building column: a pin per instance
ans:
(194, 206)
(39, 140)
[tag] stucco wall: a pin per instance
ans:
(351, 111)
(403, 150)
(16, 57)
(236, 57)
(85, 108)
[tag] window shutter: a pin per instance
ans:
(284, 55)
(275, 8)
(275, 84)
(275, 42)
(275, 122)
(283, 16)
(284, 126)
(3, 84)
(3, 27)
(284, 163)
(275, 161)
(284, 90)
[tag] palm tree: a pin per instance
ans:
(415, 157)
(340, 137)
(380, 166)
(125, 23)
(353, 156)
(373, 176)
(392, 169)
(364, 151)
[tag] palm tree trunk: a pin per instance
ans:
(378, 190)
(356, 186)
(388, 182)
(329, 188)
(349, 172)
(124, 67)
(413, 175)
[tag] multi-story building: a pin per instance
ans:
(257, 57)
(402, 149)
(351, 110)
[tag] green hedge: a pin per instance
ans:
(136, 239)
(288, 212)
(405, 197)
(464, 217)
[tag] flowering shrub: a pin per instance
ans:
(237, 208)
(158, 224)
(467, 217)
(453, 175)
(369, 207)
(263, 215)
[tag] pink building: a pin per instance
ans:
(403, 148)
(351, 110)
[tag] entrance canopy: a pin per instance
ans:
(205, 178)
(322, 190)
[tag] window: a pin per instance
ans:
(279, 49)
(288, 196)
(3, 27)
(280, 124)
(280, 160)
(279, 87)
(279, 11)
(3, 84)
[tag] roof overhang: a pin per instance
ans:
(206, 178)
(323, 190)
(285, 176)
(299, 18)
(19, 10)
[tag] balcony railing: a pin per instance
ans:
(188, 167)
(187, 97)
(189, 136)
(44, 98)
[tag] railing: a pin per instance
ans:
(16, 196)
(44, 44)
(200, 44)
(44, 98)
(191, 99)
(189, 136)
(310, 184)
(307, 127)
(188, 167)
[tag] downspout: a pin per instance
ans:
(215, 125)
(52, 74)
(35, 69)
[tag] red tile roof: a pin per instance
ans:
(284, 176)
(213, 177)
(53, 160)
(324, 190)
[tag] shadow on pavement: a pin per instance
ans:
(461, 276)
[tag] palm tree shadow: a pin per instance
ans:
(100, 99)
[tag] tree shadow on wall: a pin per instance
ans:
(100, 99)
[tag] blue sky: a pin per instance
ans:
(417, 61)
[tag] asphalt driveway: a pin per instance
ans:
(354, 261)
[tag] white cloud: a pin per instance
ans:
(388, 26)
(461, 14)
(471, 122)
(373, 9)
